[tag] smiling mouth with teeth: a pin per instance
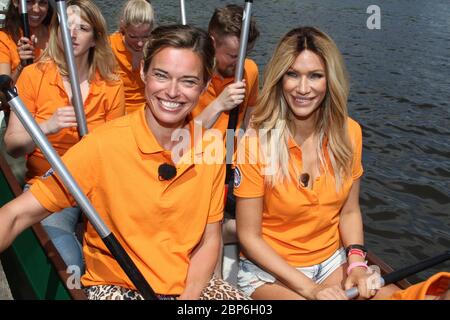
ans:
(171, 105)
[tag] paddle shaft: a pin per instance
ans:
(405, 272)
(58, 166)
(183, 12)
(77, 100)
(238, 76)
(25, 24)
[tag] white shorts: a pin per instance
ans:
(251, 277)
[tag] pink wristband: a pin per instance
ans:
(356, 264)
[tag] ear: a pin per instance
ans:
(214, 41)
(142, 71)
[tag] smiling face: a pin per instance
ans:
(37, 11)
(304, 85)
(81, 32)
(173, 84)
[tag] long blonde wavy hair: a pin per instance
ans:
(273, 112)
(101, 57)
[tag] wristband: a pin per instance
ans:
(355, 265)
(357, 252)
(355, 246)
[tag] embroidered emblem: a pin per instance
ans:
(237, 177)
(48, 173)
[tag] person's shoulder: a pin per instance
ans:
(115, 37)
(37, 70)
(250, 66)
(354, 129)
(353, 124)
(5, 36)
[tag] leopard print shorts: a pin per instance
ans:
(217, 289)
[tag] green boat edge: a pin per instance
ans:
(33, 268)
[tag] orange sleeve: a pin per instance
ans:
(436, 285)
(5, 50)
(25, 87)
(218, 191)
(253, 81)
(248, 174)
(82, 161)
(117, 103)
(356, 138)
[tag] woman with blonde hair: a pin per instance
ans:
(136, 23)
(45, 89)
(297, 188)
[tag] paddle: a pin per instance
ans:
(238, 76)
(25, 24)
(405, 272)
(183, 12)
(77, 100)
(39, 138)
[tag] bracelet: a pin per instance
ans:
(355, 265)
(355, 246)
(357, 252)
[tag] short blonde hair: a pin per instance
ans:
(136, 12)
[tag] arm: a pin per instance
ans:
(249, 219)
(351, 231)
(17, 215)
(17, 140)
(203, 261)
(232, 96)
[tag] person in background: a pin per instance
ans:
(297, 179)
(136, 23)
(45, 89)
(223, 94)
(15, 50)
(173, 241)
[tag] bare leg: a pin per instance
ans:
(275, 291)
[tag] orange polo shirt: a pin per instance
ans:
(8, 51)
(133, 84)
(436, 285)
(216, 87)
(41, 89)
(300, 224)
(159, 223)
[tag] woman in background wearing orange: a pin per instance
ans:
(136, 23)
(45, 89)
(15, 50)
(297, 188)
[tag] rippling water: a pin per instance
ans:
(400, 95)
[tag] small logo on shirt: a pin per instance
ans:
(237, 177)
(48, 173)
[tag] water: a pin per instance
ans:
(400, 95)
